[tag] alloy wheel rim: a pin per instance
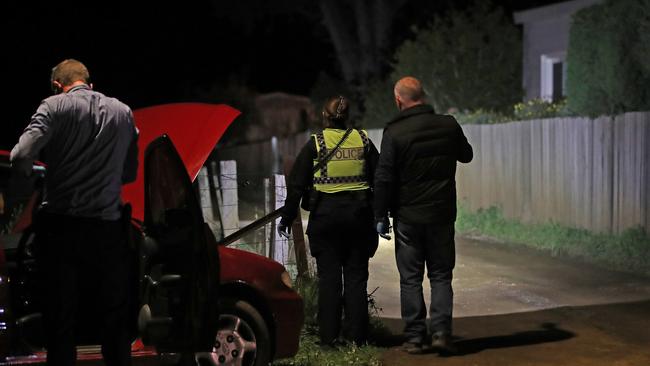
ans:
(234, 344)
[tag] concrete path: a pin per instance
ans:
(517, 306)
(492, 278)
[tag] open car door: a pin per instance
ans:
(180, 270)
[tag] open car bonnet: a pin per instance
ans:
(194, 128)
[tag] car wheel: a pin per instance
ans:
(242, 339)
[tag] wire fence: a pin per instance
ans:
(231, 201)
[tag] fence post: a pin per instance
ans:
(229, 208)
(297, 233)
(280, 244)
(268, 229)
(304, 262)
(205, 199)
(217, 198)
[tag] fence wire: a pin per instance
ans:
(254, 199)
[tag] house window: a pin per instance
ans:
(553, 76)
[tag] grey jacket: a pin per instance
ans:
(89, 143)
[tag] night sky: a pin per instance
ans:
(151, 52)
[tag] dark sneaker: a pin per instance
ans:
(413, 348)
(441, 343)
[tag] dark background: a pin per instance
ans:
(152, 52)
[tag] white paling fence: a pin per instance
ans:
(586, 173)
(579, 172)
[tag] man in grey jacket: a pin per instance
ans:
(89, 143)
(415, 182)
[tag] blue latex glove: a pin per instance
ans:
(382, 228)
(284, 230)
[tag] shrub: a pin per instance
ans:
(608, 54)
(480, 117)
(532, 109)
(539, 108)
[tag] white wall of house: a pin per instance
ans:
(545, 45)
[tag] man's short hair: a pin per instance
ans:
(410, 89)
(68, 71)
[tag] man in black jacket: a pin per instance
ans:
(415, 183)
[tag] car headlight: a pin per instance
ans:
(286, 279)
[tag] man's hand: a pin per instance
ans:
(284, 230)
(383, 227)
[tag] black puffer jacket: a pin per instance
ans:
(415, 177)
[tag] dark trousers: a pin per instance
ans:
(343, 278)
(83, 261)
(341, 239)
(415, 246)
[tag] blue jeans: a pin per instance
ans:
(415, 246)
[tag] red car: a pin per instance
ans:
(188, 288)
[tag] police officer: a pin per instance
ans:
(340, 230)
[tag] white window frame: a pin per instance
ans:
(546, 74)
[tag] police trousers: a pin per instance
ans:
(342, 238)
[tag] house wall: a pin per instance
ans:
(546, 32)
(550, 36)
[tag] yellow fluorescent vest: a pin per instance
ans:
(345, 170)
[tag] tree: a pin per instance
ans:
(360, 31)
(467, 60)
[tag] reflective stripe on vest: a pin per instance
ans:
(345, 171)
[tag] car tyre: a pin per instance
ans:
(243, 337)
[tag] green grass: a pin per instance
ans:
(310, 353)
(629, 251)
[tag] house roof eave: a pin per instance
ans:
(551, 11)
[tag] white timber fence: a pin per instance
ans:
(586, 173)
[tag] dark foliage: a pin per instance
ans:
(609, 48)
(467, 60)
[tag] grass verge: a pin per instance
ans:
(310, 353)
(628, 251)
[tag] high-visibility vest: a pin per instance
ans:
(345, 171)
